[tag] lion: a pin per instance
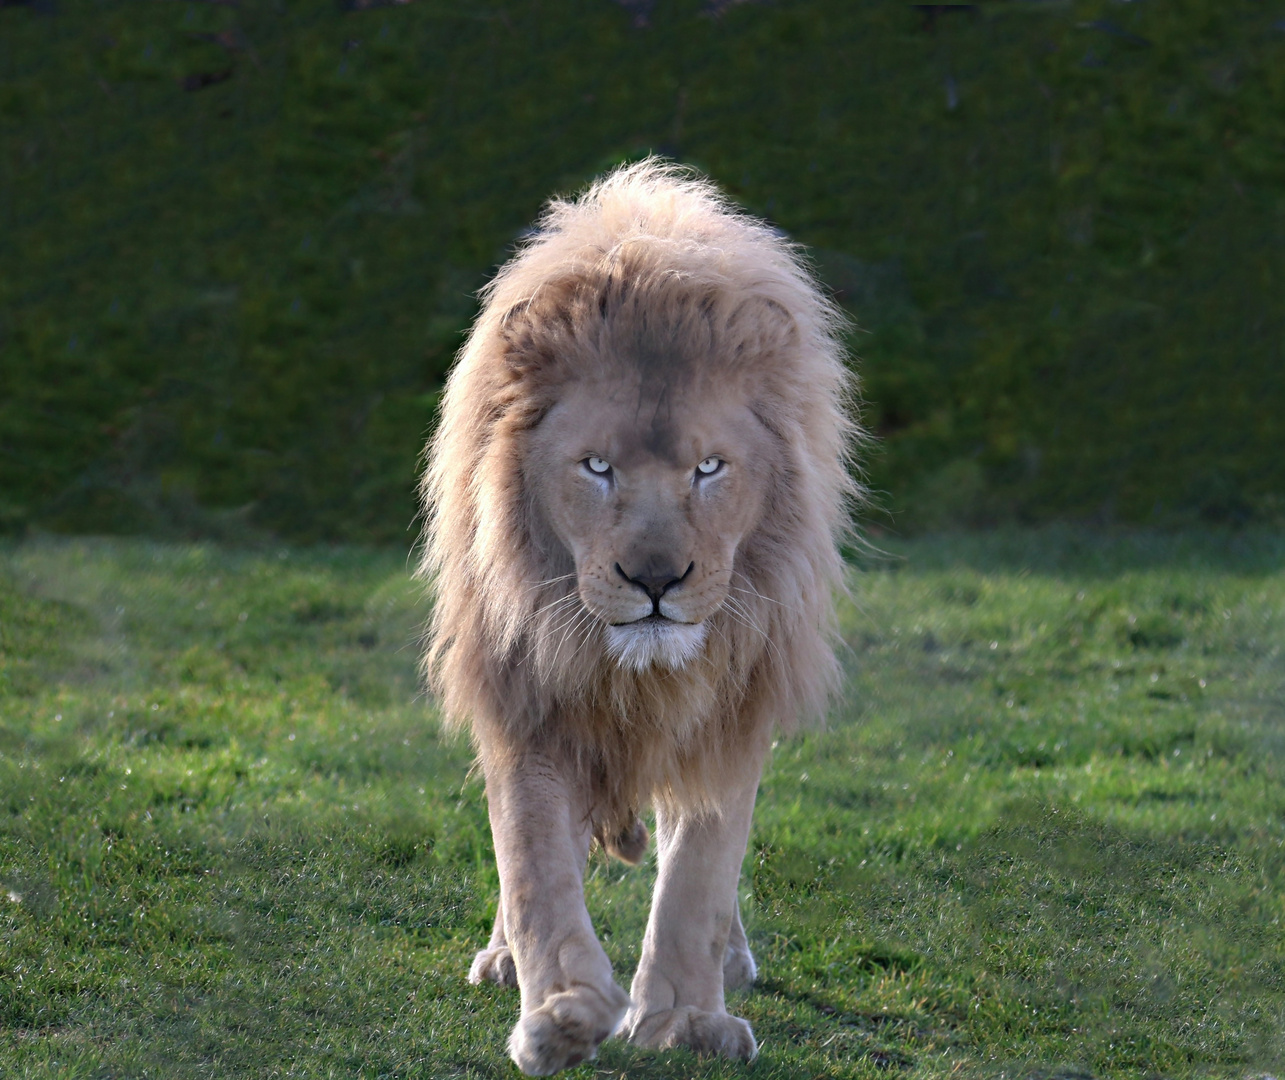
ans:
(634, 502)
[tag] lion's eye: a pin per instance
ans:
(709, 466)
(597, 466)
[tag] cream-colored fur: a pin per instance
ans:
(634, 499)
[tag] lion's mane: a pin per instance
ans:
(650, 253)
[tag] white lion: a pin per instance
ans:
(634, 500)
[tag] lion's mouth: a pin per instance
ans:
(655, 641)
(655, 619)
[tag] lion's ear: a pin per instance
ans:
(761, 326)
(525, 352)
(536, 332)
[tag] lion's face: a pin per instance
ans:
(651, 491)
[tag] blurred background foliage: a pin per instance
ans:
(239, 239)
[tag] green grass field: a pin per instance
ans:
(1042, 837)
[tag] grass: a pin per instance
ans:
(1042, 837)
(238, 241)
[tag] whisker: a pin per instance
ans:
(560, 619)
(585, 632)
(562, 622)
(573, 628)
(551, 606)
(740, 606)
(753, 591)
(567, 620)
(713, 625)
(737, 610)
(550, 581)
(759, 596)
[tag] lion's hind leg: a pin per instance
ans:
(495, 962)
(739, 968)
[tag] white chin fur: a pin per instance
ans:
(649, 642)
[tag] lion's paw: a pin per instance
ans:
(739, 969)
(704, 1032)
(566, 1029)
(494, 965)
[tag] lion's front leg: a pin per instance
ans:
(570, 1002)
(678, 991)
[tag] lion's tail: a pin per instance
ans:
(629, 844)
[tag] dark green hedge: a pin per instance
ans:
(238, 241)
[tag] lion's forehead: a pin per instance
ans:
(634, 426)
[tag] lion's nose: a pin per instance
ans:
(655, 580)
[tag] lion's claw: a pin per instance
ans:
(566, 1029)
(698, 1030)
